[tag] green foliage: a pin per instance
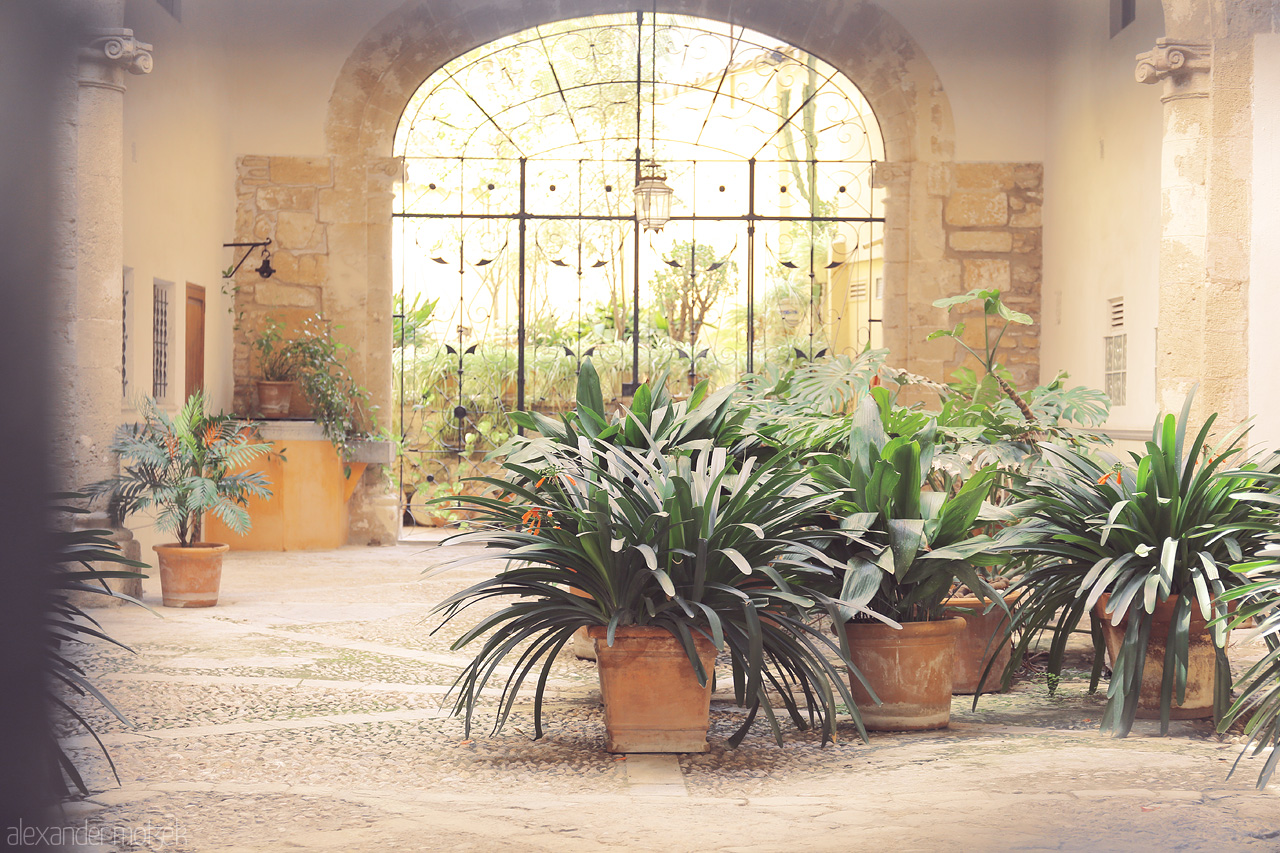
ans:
(685, 543)
(338, 404)
(655, 419)
(181, 467)
(693, 281)
(277, 359)
(77, 552)
(412, 321)
(805, 406)
(1173, 524)
(907, 544)
(1258, 689)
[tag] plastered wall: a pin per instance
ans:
(1102, 219)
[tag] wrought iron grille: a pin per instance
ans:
(516, 221)
(160, 342)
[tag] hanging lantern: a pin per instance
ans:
(653, 197)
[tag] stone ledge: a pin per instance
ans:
(373, 452)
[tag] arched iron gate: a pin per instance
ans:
(519, 247)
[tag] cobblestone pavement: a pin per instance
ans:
(305, 713)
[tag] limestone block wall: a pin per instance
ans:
(992, 221)
(951, 228)
(314, 216)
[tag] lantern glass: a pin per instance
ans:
(653, 201)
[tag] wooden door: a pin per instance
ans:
(195, 338)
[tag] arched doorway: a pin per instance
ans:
(521, 248)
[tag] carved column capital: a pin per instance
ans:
(1182, 67)
(112, 51)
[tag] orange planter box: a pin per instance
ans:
(311, 488)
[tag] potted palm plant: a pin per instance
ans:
(1146, 551)
(683, 554)
(907, 547)
(180, 467)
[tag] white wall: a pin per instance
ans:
(1102, 199)
(1264, 274)
(178, 199)
(992, 59)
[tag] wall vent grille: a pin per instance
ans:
(1115, 313)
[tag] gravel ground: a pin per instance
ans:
(307, 712)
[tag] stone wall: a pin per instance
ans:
(278, 199)
(301, 205)
(951, 228)
(992, 221)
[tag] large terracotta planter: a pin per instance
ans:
(974, 648)
(910, 670)
(652, 699)
(190, 577)
(274, 398)
(1202, 661)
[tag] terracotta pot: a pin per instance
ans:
(189, 577)
(274, 397)
(652, 699)
(909, 669)
(973, 644)
(1202, 662)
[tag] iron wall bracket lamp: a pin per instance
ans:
(264, 269)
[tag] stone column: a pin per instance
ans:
(89, 328)
(1190, 350)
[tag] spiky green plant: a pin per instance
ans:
(79, 555)
(1171, 525)
(689, 543)
(1257, 699)
(1258, 689)
(181, 467)
(654, 420)
(912, 543)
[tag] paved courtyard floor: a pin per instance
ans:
(304, 713)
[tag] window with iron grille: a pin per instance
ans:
(1116, 364)
(160, 342)
(1116, 354)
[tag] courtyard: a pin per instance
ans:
(307, 712)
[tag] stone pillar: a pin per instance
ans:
(1192, 346)
(90, 304)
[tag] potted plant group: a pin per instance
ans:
(1146, 551)
(316, 362)
(181, 468)
(668, 556)
(908, 547)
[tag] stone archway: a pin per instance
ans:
(950, 227)
(860, 39)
